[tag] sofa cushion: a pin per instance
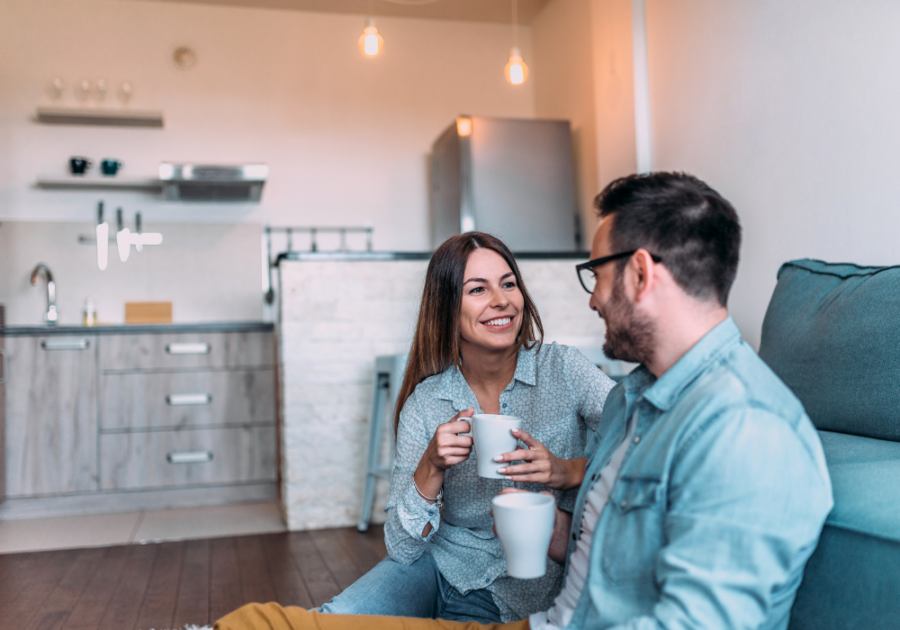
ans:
(832, 333)
(853, 577)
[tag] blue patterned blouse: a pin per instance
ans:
(559, 395)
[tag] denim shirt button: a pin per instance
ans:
(637, 439)
(624, 504)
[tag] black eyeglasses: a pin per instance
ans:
(586, 274)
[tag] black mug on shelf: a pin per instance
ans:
(110, 167)
(79, 165)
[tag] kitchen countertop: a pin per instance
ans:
(137, 329)
(380, 256)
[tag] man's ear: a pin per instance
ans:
(643, 274)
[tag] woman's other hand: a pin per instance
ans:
(447, 448)
(541, 466)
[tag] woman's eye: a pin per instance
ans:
(509, 285)
(476, 290)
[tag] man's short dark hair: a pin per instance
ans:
(676, 216)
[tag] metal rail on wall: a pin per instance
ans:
(289, 235)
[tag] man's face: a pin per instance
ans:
(629, 334)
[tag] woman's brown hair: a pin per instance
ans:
(435, 345)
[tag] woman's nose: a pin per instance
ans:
(499, 298)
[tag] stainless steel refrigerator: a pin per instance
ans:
(511, 177)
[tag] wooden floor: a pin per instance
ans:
(169, 585)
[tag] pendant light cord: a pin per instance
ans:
(515, 20)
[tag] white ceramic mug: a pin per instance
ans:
(524, 523)
(492, 435)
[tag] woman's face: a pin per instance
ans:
(492, 304)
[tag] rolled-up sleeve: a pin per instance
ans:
(407, 512)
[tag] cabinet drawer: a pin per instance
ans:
(156, 459)
(186, 350)
(186, 399)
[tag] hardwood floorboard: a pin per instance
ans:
(290, 587)
(192, 606)
(69, 590)
(91, 606)
(26, 606)
(256, 585)
(321, 584)
(158, 607)
(224, 578)
(337, 560)
(125, 605)
(170, 585)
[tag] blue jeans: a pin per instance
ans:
(418, 590)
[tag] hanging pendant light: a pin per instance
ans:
(370, 42)
(516, 71)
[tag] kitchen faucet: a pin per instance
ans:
(51, 316)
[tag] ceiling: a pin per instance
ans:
(469, 10)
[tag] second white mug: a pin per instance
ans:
(524, 524)
(493, 436)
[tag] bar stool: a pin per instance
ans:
(389, 371)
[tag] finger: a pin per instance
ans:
(461, 441)
(511, 491)
(465, 413)
(523, 469)
(521, 455)
(454, 452)
(453, 427)
(525, 437)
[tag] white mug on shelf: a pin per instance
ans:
(493, 436)
(524, 524)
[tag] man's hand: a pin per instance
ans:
(541, 466)
(562, 523)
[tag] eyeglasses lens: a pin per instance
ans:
(588, 279)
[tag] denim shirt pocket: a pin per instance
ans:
(633, 533)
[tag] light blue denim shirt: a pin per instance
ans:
(719, 502)
(559, 395)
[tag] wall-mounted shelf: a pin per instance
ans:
(99, 117)
(75, 182)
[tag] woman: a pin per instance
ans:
(475, 350)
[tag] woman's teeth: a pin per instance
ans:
(500, 321)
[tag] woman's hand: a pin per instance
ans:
(541, 466)
(562, 523)
(446, 448)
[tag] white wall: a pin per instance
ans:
(583, 73)
(789, 109)
(209, 271)
(346, 137)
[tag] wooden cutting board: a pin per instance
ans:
(148, 312)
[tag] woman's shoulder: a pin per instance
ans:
(554, 352)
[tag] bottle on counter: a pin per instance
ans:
(89, 313)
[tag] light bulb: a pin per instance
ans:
(370, 42)
(516, 71)
(464, 126)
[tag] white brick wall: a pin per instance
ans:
(336, 317)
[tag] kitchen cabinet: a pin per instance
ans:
(51, 415)
(148, 417)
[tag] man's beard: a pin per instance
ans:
(629, 336)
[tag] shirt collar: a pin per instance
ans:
(668, 387)
(453, 384)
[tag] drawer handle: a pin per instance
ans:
(188, 399)
(4, 362)
(65, 344)
(189, 457)
(187, 348)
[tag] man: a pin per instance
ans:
(706, 486)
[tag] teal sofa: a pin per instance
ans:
(832, 333)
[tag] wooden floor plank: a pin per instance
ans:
(358, 549)
(375, 539)
(19, 612)
(337, 560)
(123, 609)
(224, 578)
(322, 586)
(92, 605)
(158, 607)
(256, 585)
(67, 593)
(193, 591)
(16, 573)
(290, 588)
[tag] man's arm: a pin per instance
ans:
(745, 506)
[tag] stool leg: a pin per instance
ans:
(375, 432)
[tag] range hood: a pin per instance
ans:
(212, 182)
